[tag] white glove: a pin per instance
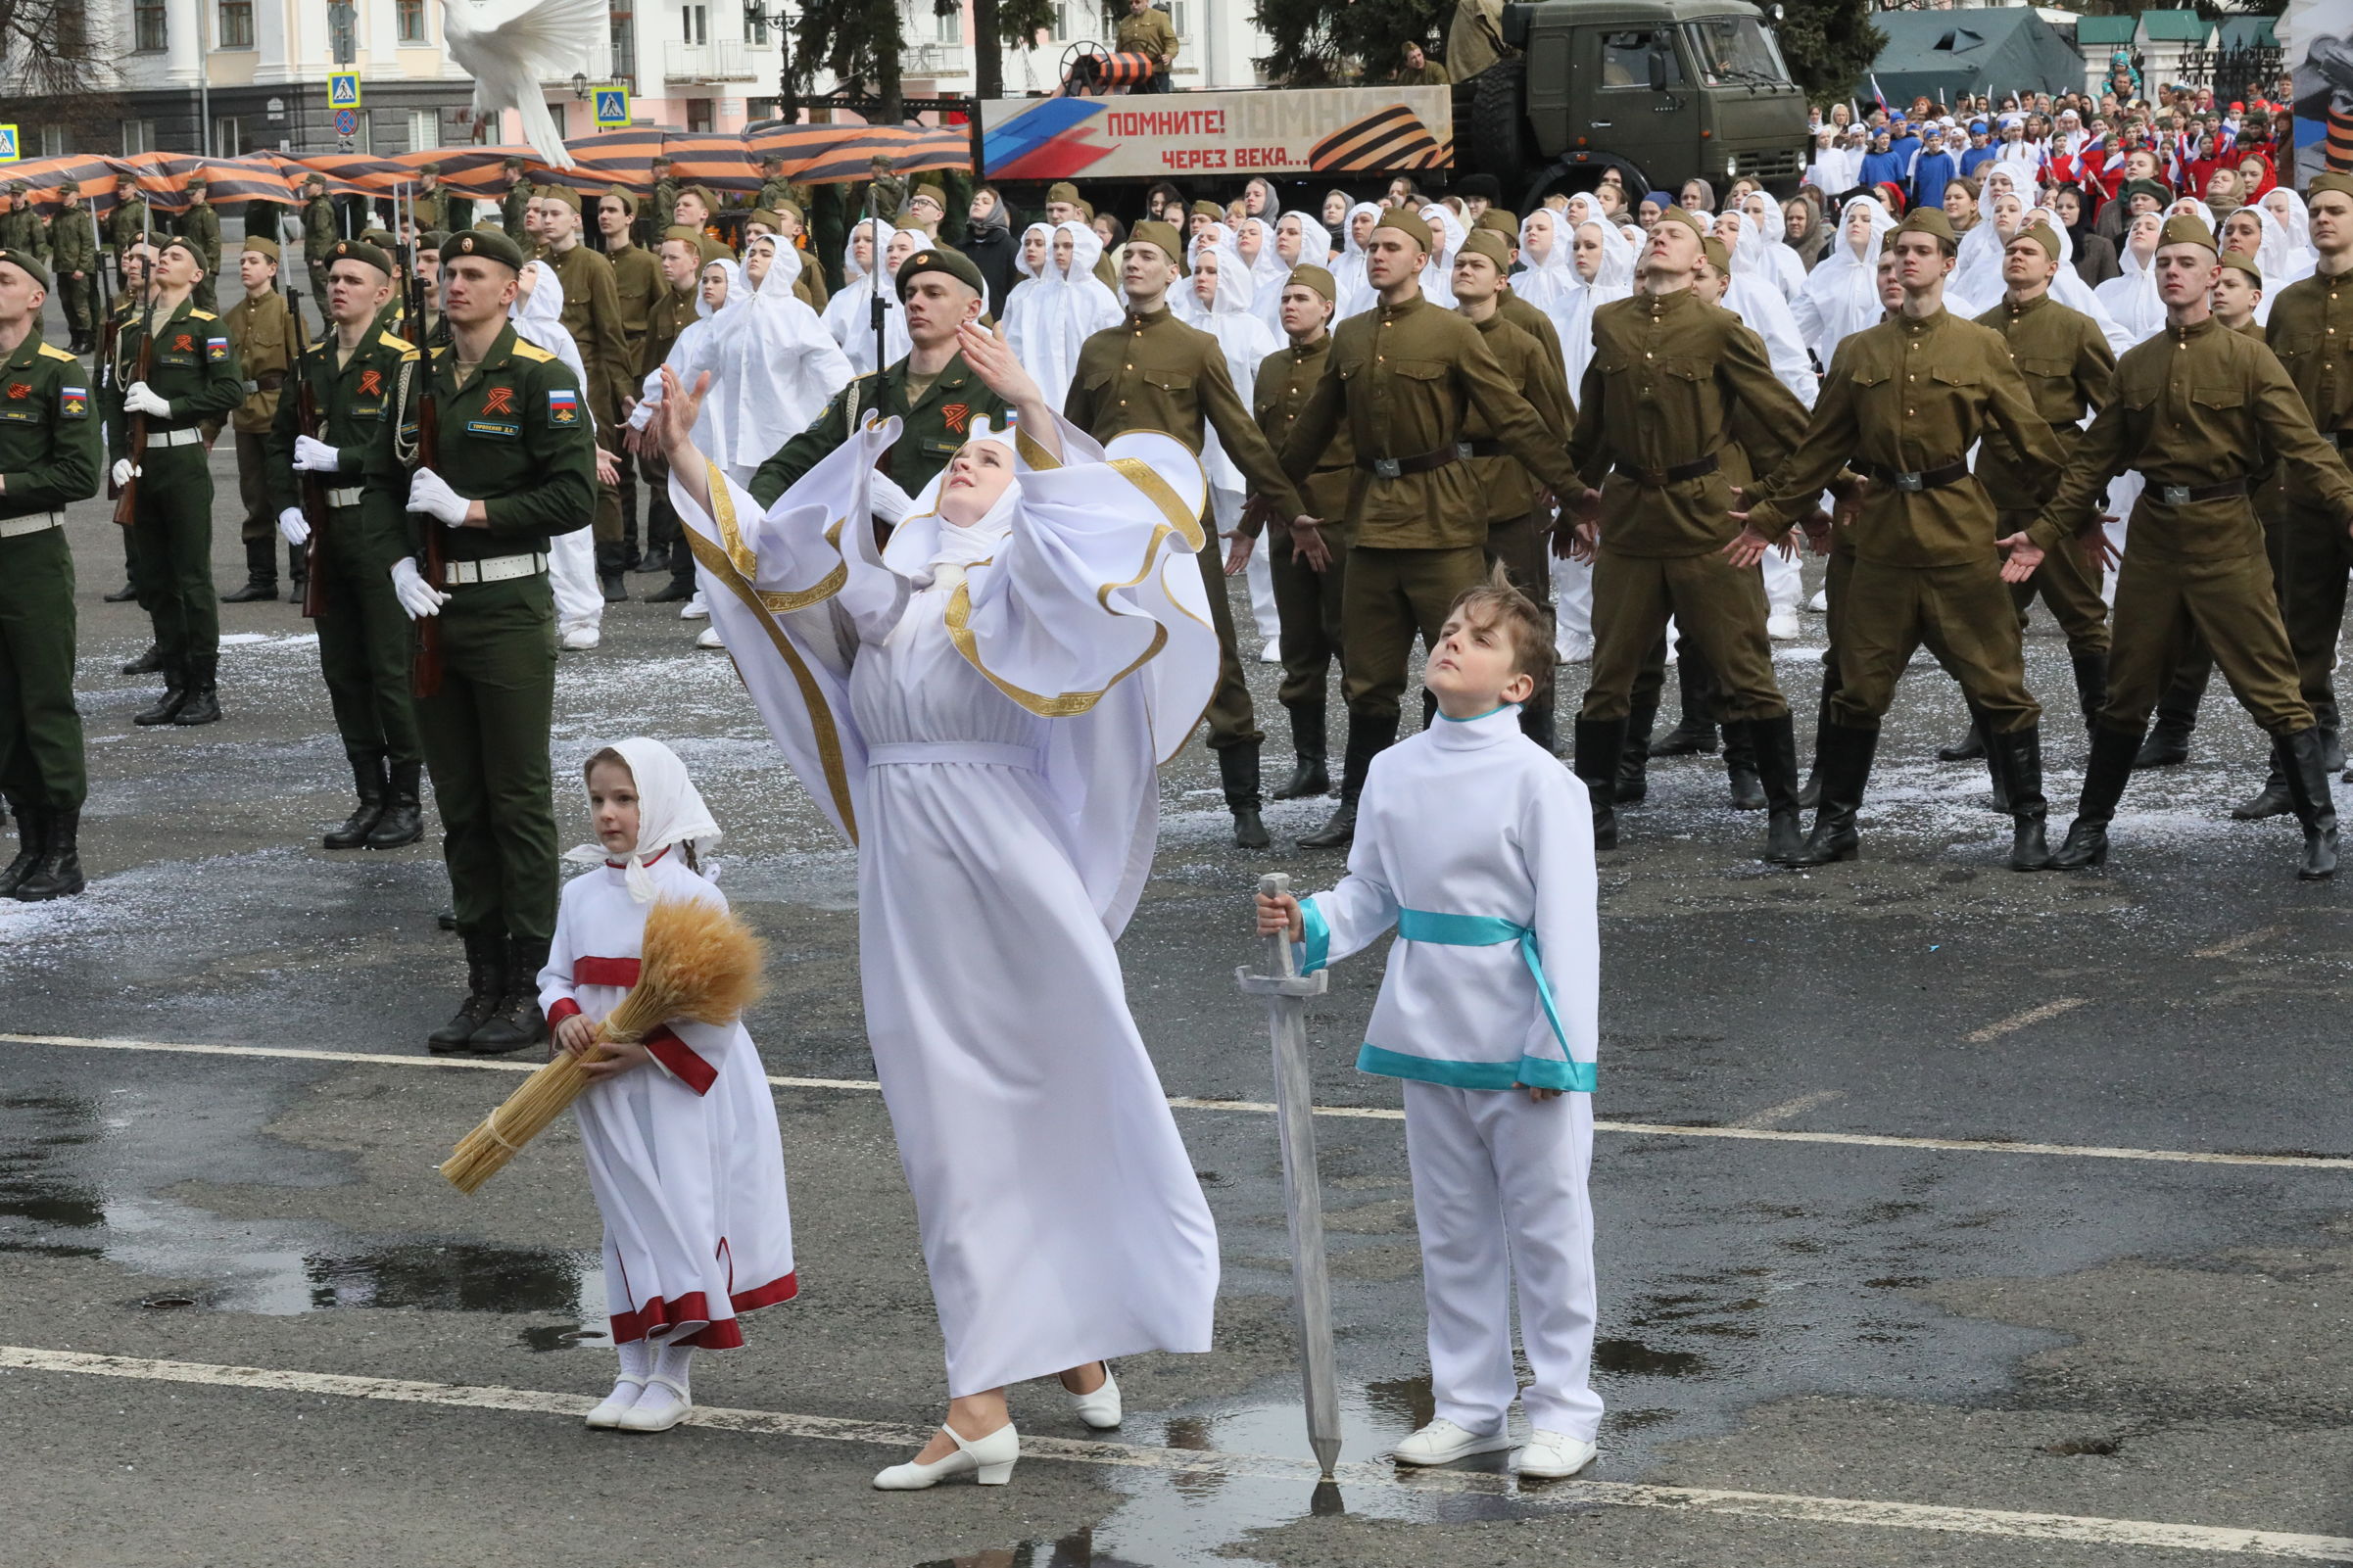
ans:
(887, 500)
(292, 528)
(418, 597)
(317, 457)
(123, 472)
(143, 399)
(430, 494)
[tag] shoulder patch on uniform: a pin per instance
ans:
(202, 316)
(440, 349)
(50, 350)
(533, 353)
(409, 355)
(391, 342)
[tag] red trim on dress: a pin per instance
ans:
(615, 971)
(623, 865)
(768, 1295)
(564, 1008)
(722, 1334)
(680, 1057)
(657, 1313)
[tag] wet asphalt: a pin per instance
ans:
(2119, 1339)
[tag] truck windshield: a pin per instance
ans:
(1736, 49)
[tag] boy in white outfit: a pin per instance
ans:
(1476, 846)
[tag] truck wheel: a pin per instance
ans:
(1500, 143)
(1582, 173)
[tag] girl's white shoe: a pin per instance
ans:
(660, 1407)
(990, 1460)
(1552, 1454)
(1101, 1408)
(606, 1418)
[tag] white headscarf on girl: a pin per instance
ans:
(1547, 278)
(2131, 297)
(538, 318)
(2296, 219)
(1446, 235)
(928, 551)
(1766, 248)
(1612, 280)
(670, 812)
(2276, 256)
(1355, 292)
(1240, 333)
(1842, 294)
(2069, 288)
(1268, 271)
(782, 366)
(848, 314)
(1751, 297)
(1315, 241)
(694, 352)
(1066, 308)
(1033, 280)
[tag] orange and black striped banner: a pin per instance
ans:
(1394, 138)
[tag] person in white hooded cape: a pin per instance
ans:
(1598, 261)
(1356, 291)
(1063, 307)
(682, 1151)
(849, 315)
(778, 366)
(538, 316)
(982, 708)
(698, 349)
(1244, 337)
(1842, 292)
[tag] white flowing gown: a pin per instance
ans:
(1002, 842)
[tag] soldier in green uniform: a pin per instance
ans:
(19, 225)
(1154, 372)
(431, 203)
(318, 238)
(1416, 69)
(355, 373)
(1904, 402)
(192, 377)
(124, 226)
(591, 313)
(512, 428)
(662, 212)
(2198, 410)
(49, 458)
(1147, 31)
(775, 189)
(74, 263)
(1404, 376)
(200, 224)
(515, 208)
(1307, 600)
(261, 331)
(1668, 377)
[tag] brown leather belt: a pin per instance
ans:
(1399, 467)
(2191, 495)
(270, 380)
(1484, 448)
(1660, 478)
(1926, 479)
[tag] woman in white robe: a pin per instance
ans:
(1255, 241)
(2255, 233)
(1770, 252)
(1069, 305)
(697, 349)
(1753, 296)
(2130, 297)
(1601, 269)
(1446, 235)
(982, 709)
(1300, 240)
(2296, 219)
(867, 266)
(1842, 294)
(2069, 287)
(538, 316)
(1222, 289)
(1547, 280)
(1029, 261)
(779, 367)
(1355, 292)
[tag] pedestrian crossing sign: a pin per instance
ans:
(343, 89)
(612, 107)
(10, 149)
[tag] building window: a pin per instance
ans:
(148, 33)
(757, 109)
(52, 140)
(228, 137)
(138, 136)
(236, 23)
(755, 27)
(698, 24)
(408, 16)
(699, 117)
(1180, 17)
(625, 47)
(947, 26)
(425, 130)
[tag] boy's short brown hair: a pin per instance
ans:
(1523, 621)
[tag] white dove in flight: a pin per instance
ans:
(511, 46)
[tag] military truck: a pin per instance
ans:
(1659, 90)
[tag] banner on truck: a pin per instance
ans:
(1271, 131)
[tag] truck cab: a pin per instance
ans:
(1660, 90)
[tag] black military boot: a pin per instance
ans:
(404, 819)
(1310, 773)
(1693, 733)
(125, 594)
(1845, 764)
(204, 692)
(1970, 747)
(1601, 748)
(298, 573)
(609, 567)
(1367, 738)
(2105, 774)
(1539, 718)
(260, 572)
(485, 986)
(2304, 755)
(1740, 767)
(150, 662)
(681, 586)
(2272, 800)
(31, 828)
(1994, 775)
(2017, 758)
(1633, 783)
(58, 873)
(367, 782)
(2176, 715)
(166, 707)
(1238, 772)
(514, 1020)
(1773, 742)
(656, 560)
(1810, 795)
(2090, 687)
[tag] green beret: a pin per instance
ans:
(1318, 278)
(1928, 220)
(491, 245)
(1489, 244)
(2341, 183)
(380, 238)
(2142, 187)
(263, 245)
(360, 250)
(1685, 217)
(941, 258)
(1162, 237)
(2183, 229)
(1717, 255)
(25, 262)
(2246, 263)
(1407, 223)
(170, 242)
(2041, 235)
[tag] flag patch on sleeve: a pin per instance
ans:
(564, 407)
(217, 348)
(73, 403)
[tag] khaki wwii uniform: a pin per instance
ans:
(511, 208)
(200, 225)
(666, 317)
(934, 423)
(1308, 601)
(124, 225)
(1518, 524)
(1152, 34)
(2068, 366)
(194, 368)
(261, 331)
(512, 432)
(365, 644)
(1153, 372)
(2199, 412)
(1536, 324)
(2311, 330)
(49, 458)
(591, 313)
(318, 238)
(1405, 379)
(1904, 402)
(74, 246)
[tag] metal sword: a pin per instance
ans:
(1286, 991)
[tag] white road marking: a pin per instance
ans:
(2019, 1021)
(2071, 1529)
(1789, 1110)
(1639, 1129)
(2244, 939)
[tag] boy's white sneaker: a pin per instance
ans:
(1550, 1454)
(1443, 1442)
(710, 638)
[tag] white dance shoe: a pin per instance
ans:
(988, 1460)
(1820, 602)
(694, 609)
(1101, 1408)
(710, 638)
(606, 1418)
(581, 637)
(1550, 1454)
(660, 1407)
(1782, 626)
(1272, 653)
(1573, 647)
(1443, 1442)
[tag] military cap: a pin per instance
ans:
(319, 181)
(938, 197)
(380, 238)
(1718, 255)
(1062, 190)
(2183, 229)
(941, 258)
(2142, 187)
(168, 242)
(2041, 235)
(761, 215)
(629, 203)
(1502, 223)
(262, 245)
(1931, 221)
(491, 245)
(794, 208)
(27, 263)
(2341, 183)
(433, 239)
(511, 163)
(1318, 278)
(1211, 211)
(1162, 237)
(559, 193)
(1407, 223)
(1086, 209)
(1489, 244)
(1685, 217)
(2246, 263)
(196, 182)
(681, 231)
(701, 193)
(360, 250)
(428, 168)
(771, 161)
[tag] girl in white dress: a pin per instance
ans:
(869, 262)
(679, 1129)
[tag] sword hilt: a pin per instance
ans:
(1281, 963)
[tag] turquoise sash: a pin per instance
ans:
(1491, 930)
